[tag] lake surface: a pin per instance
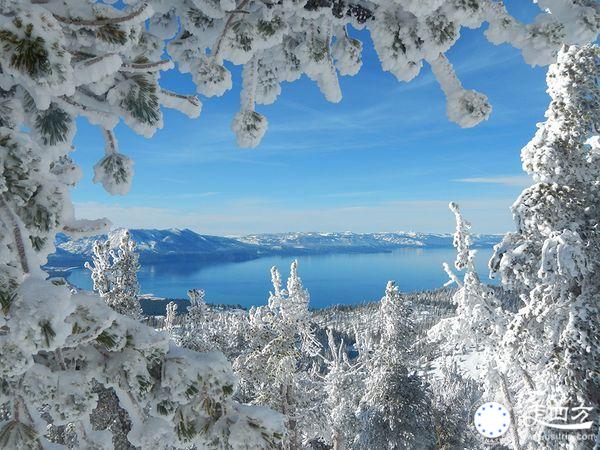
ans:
(330, 279)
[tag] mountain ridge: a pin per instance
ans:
(154, 245)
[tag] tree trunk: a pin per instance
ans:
(290, 411)
(337, 441)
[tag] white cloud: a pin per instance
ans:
(513, 180)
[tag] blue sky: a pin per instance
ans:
(385, 158)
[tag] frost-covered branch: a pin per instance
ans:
(189, 105)
(249, 125)
(148, 67)
(138, 15)
(466, 108)
(115, 170)
(230, 16)
(17, 236)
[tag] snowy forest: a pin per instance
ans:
(87, 370)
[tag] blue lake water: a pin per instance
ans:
(330, 279)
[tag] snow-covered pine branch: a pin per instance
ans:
(78, 340)
(249, 125)
(53, 71)
(138, 15)
(99, 49)
(465, 107)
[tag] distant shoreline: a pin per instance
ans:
(180, 246)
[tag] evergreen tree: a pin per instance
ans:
(206, 328)
(114, 274)
(552, 259)
(170, 315)
(479, 321)
(477, 327)
(454, 398)
(395, 410)
(342, 385)
(271, 369)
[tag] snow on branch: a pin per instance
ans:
(79, 228)
(141, 14)
(189, 105)
(462, 238)
(114, 170)
(230, 17)
(148, 67)
(467, 108)
(17, 235)
(248, 125)
(94, 69)
(284, 41)
(82, 105)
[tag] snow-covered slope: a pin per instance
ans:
(163, 245)
(356, 242)
(159, 245)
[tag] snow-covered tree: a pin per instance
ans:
(171, 313)
(212, 329)
(552, 259)
(477, 327)
(271, 368)
(61, 60)
(454, 398)
(197, 309)
(479, 321)
(395, 410)
(114, 274)
(342, 385)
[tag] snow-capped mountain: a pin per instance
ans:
(164, 245)
(159, 245)
(356, 242)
